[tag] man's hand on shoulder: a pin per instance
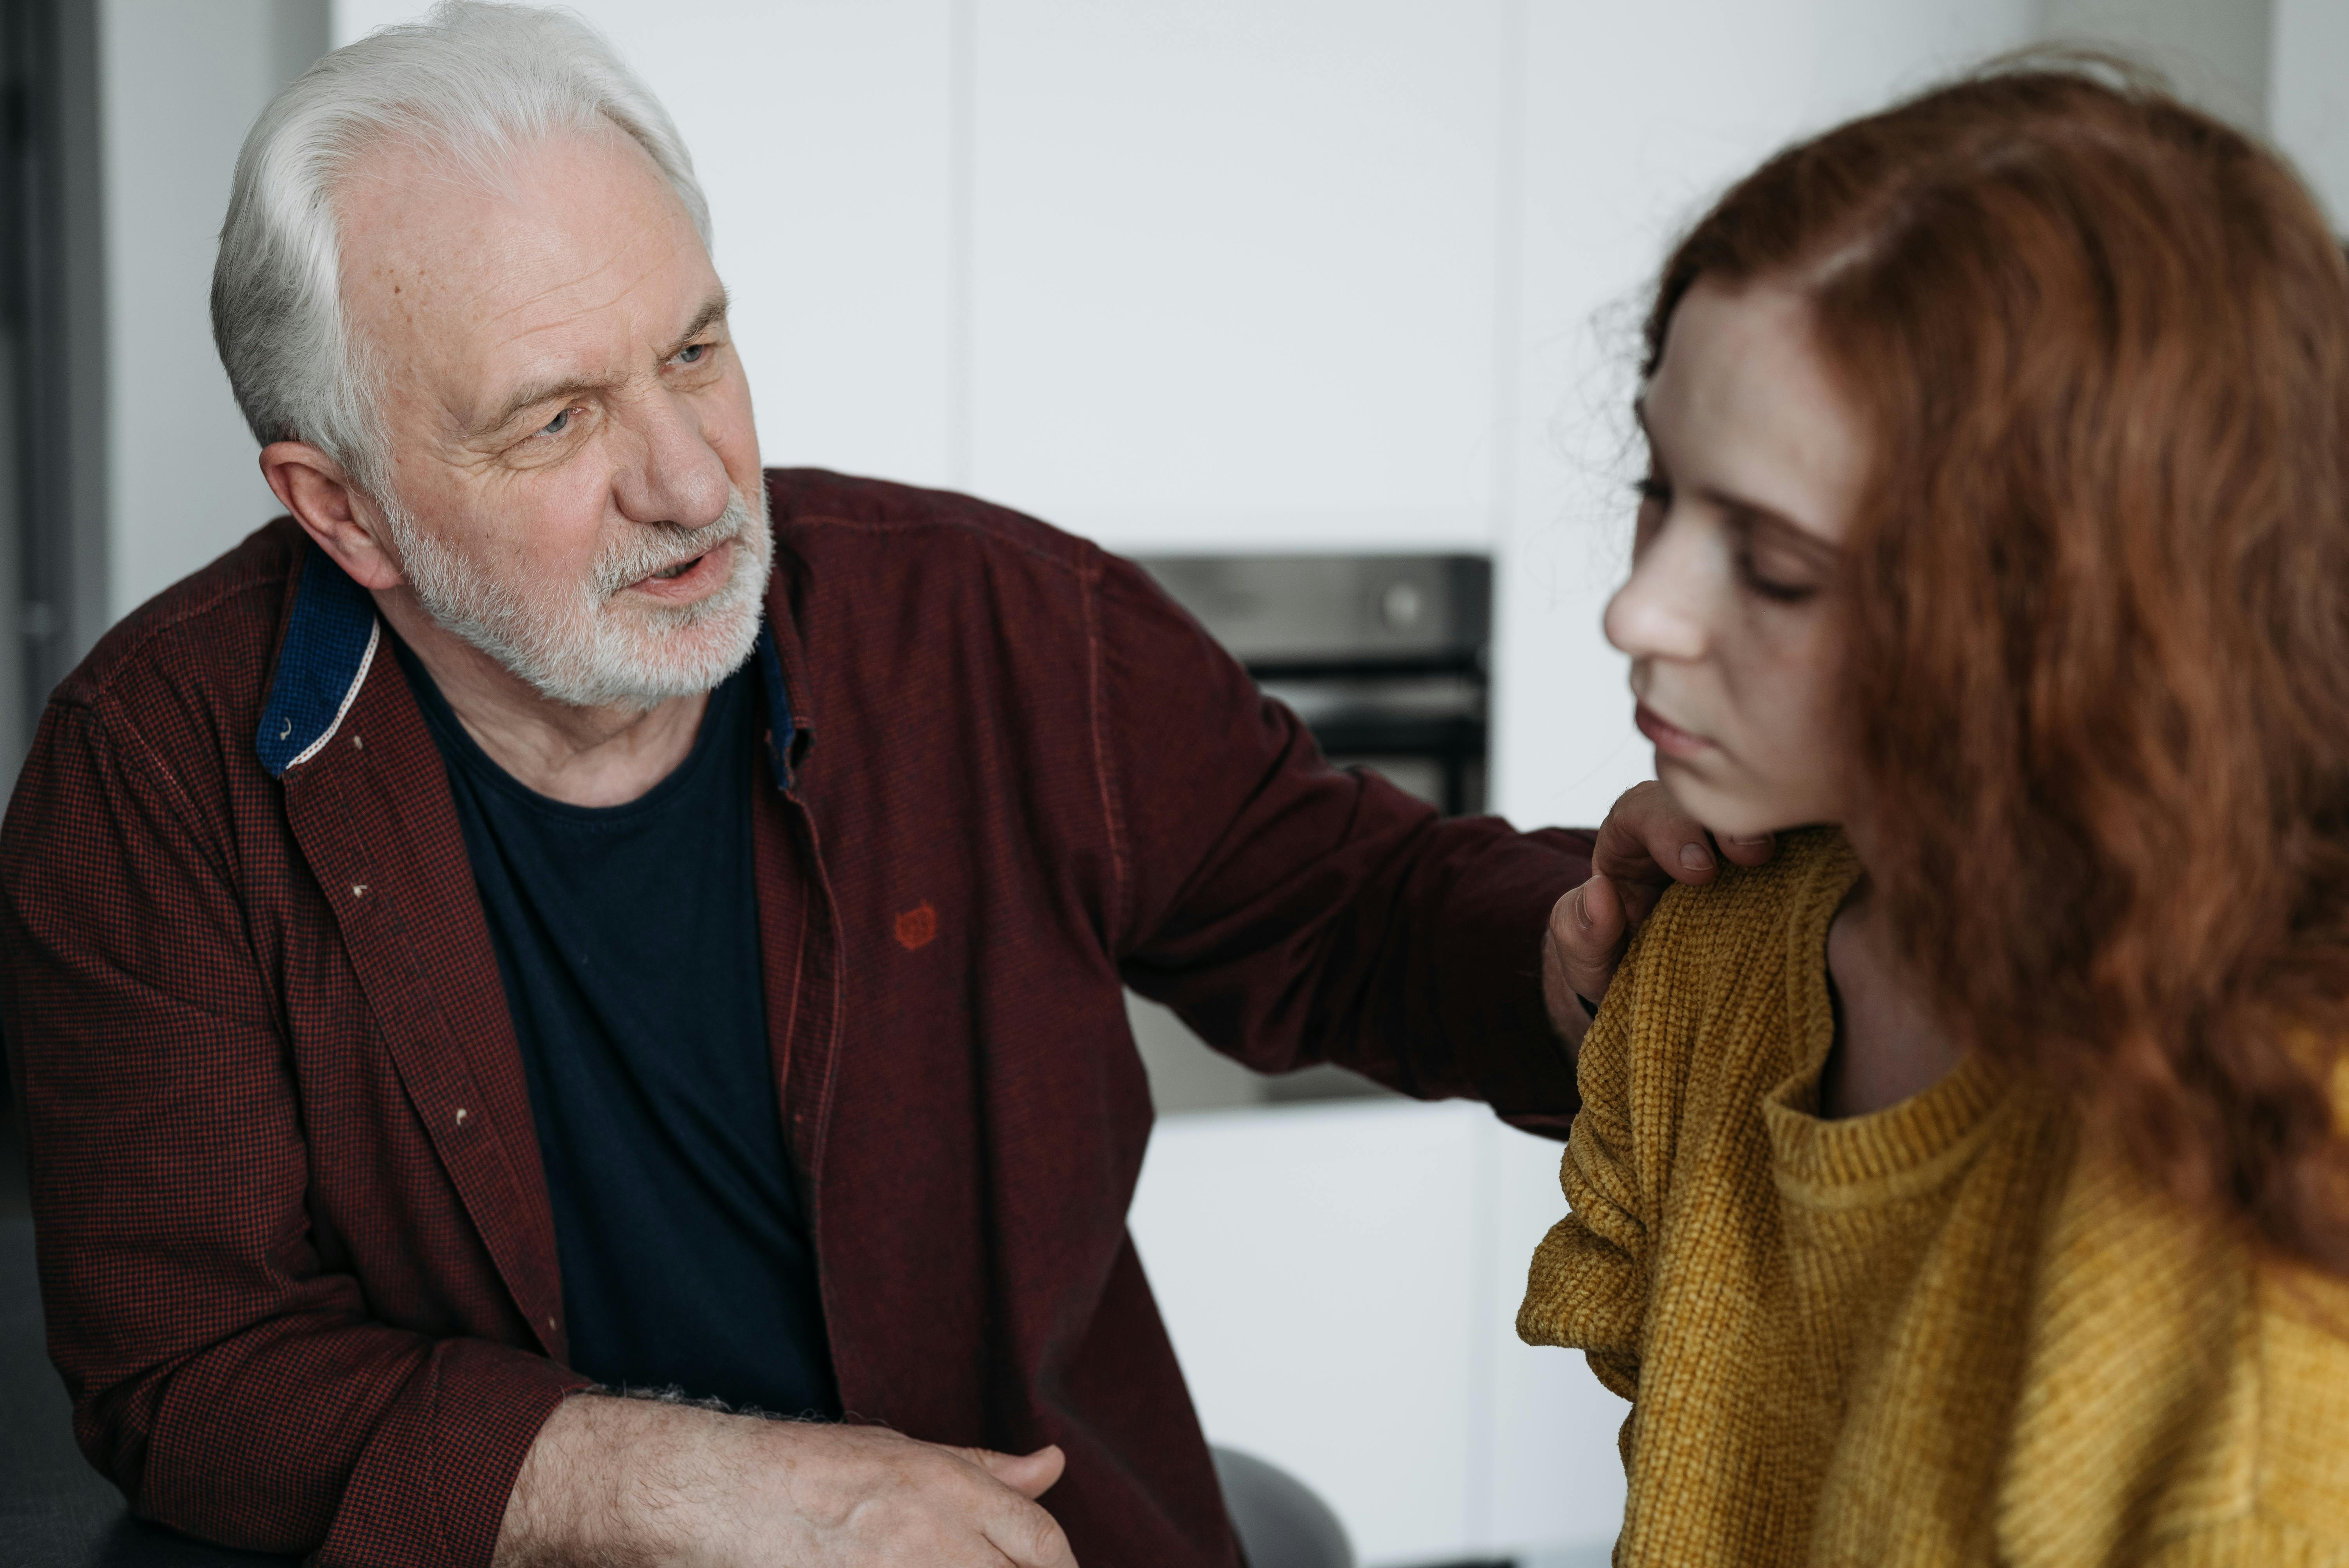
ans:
(641, 1482)
(1646, 844)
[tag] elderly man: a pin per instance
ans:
(565, 914)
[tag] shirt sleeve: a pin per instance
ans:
(231, 1384)
(1293, 913)
(1587, 1286)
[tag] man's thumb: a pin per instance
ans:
(1029, 1475)
(1590, 927)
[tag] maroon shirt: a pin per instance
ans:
(294, 1233)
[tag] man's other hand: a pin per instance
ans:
(1646, 844)
(637, 1480)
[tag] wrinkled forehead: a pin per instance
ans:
(453, 266)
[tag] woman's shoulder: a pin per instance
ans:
(2203, 1377)
(1743, 953)
(1792, 896)
(2303, 1442)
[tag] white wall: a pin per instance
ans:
(179, 86)
(2308, 95)
(2215, 51)
(1234, 267)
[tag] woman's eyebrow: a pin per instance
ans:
(1782, 530)
(1753, 514)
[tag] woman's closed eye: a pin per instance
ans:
(1776, 560)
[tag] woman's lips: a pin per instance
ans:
(705, 573)
(1670, 737)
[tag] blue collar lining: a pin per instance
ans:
(330, 643)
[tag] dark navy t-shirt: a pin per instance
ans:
(627, 937)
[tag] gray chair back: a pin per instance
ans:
(1280, 1522)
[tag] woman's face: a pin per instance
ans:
(1756, 465)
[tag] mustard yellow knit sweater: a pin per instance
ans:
(1946, 1333)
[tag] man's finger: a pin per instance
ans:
(1029, 1537)
(1749, 851)
(1647, 837)
(1588, 929)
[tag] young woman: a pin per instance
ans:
(1968, 1184)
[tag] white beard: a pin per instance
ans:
(570, 645)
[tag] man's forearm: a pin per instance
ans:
(616, 1481)
(628, 1483)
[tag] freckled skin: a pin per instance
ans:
(1741, 407)
(1742, 410)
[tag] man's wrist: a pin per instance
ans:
(611, 1479)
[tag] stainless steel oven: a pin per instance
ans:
(1384, 657)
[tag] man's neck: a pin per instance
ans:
(582, 755)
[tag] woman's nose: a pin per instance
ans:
(1660, 612)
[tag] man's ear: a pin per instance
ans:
(344, 523)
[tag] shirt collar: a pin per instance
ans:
(329, 645)
(331, 639)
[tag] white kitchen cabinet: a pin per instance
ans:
(1234, 269)
(1341, 1282)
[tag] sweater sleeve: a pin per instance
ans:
(1587, 1286)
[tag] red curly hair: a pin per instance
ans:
(2096, 599)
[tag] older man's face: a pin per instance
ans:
(573, 473)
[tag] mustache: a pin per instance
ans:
(634, 559)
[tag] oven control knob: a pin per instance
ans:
(1401, 605)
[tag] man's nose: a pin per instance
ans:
(675, 476)
(1660, 612)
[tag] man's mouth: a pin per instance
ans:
(690, 578)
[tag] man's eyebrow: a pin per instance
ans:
(531, 392)
(712, 309)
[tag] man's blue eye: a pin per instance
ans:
(557, 426)
(691, 353)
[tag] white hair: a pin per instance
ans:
(472, 84)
